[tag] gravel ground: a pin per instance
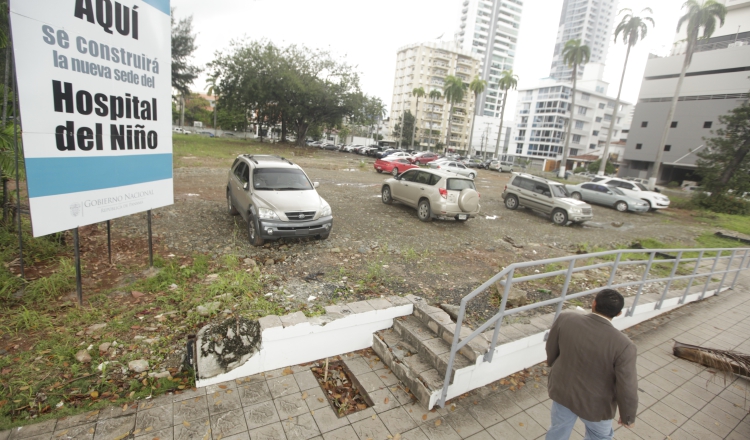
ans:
(378, 249)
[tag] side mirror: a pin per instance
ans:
(245, 186)
(316, 184)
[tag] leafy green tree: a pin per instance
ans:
(476, 86)
(699, 15)
(506, 82)
(453, 92)
(594, 166)
(724, 164)
(197, 109)
(418, 92)
(574, 54)
(183, 46)
(405, 136)
(632, 28)
(344, 133)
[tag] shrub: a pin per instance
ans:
(723, 203)
(673, 184)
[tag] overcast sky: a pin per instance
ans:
(368, 34)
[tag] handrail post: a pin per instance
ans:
(643, 282)
(614, 269)
(503, 302)
(669, 283)
(692, 277)
(564, 293)
(729, 266)
(708, 278)
(740, 268)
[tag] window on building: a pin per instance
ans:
(585, 96)
(644, 124)
(638, 146)
(607, 118)
(576, 138)
(595, 133)
(519, 148)
(674, 124)
(601, 105)
(707, 124)
(579, 125)
(598, 119)
(592, 146)
(667, 148)
(582, 110)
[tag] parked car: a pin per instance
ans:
(637, 191)
(505, 167)
(228, 134)
(434, 193)
(424, 157)
(180, 130)
(277, 199)
(394, 166)
(607, 196)
(329, 146)
(494, 165)
(401, 155)
(206, 133)
(547, 197)
(472, 163)
(485, 164)
(454, 167)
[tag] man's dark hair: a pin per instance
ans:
(609, 302)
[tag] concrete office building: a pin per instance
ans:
(590, 21)
(489, 29)
(715, 83)
(542, 114)
(426, 65)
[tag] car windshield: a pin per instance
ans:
(280, 179)
(459, 184)
(643, 188)
(559, 191)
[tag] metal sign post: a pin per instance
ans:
(150, 242)
(79, 289)
(18, 185)
(109, 241)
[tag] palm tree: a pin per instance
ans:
(434, 96)
(213, 90)
(418, 93)
(453, 91)
(379, 109)
(574, 55)
(633, 28)
(698, 15)
(506, 82)
(477, 86)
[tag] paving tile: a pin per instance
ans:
(114, 428)
(398, 421)
(370, 381)
(669, 413)
(315, 399)
(486, 415)
(526, 426)
(503, 404)
(23, 432)
(504, 431)
(189, 410)
(188, 394)
(78, 432)
(716, 421)
(383, 400)
(228, 423)
(198, 429)
(165, 400)
(362, 414)
(223, 401)
(696, 430)
(387, 376)
(645, 431)
(241, 436)
(482, 435)
(438, 429)
(260, 414)
(260, 377)
(274, 431)
(737, 406)
(679, 405)
(414, 434)
(419, 414)
(664, 426)
(370, 428)
(253, 393)
(155, 418)
(300, 427)
(228, 385)
(291, 405)
(358, 365)
(327, 420)
(343, 433)
(161, 434)
(5, 435)
(541, 414)
(118, 411)
(282, 386)
(306, 380)
(463, 422)
(79, 419)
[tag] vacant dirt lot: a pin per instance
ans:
(375, 248)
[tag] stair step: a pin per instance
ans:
(431, 349)
(441, 324)
(421, 389)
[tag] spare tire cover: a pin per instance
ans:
(468, 200)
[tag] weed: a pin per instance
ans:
(26, 319)
(60, 282)
(410, 254)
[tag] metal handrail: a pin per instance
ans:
(505, 278)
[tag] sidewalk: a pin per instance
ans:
(678, 399)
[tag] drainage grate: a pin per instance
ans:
(344, 392)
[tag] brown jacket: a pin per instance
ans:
(593, 368)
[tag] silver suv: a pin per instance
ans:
(435, 194)
(547, 197)
(277, 199)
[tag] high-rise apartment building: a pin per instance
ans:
(590, 21)
(426, 65)
(489, 29)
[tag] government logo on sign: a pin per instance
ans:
(75, 209)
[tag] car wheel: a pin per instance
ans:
(650, 206)
(395, 172)
(379, 171)
(386, 195)
(559, 217)
(621, 206)
(324, 236)
(511, 202)
(424, 211)
(576, 196)
(252, 232)
(471, 176)
(230, 207)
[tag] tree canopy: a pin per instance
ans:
(183, 46)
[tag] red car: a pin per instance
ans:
(395, 166)
(424, 157)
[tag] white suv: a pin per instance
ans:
(638, 191)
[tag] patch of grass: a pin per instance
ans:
(738, 223)
(46, 288)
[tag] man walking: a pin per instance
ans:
(593, 370)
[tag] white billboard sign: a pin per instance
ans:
(94, 80)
